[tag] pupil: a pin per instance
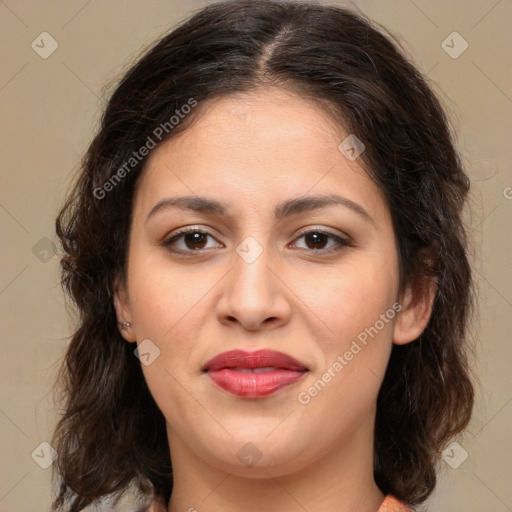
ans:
(315, 236)
(196, 238)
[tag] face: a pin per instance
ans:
(267, 271)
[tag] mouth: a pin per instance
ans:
(254, 374)
(254, 370)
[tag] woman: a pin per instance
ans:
(266, 251)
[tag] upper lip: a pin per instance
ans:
(257, 359)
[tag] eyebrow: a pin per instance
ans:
(282, 210)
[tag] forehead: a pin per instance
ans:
(273, 118)
(257, 147)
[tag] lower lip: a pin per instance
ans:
(254, 385)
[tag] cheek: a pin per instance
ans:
(355, 353)
(162, 303)
(350, 298)
(355, 309)
(165, 296)
(163, 311)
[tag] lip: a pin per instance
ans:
(254, 374)
(250, 360)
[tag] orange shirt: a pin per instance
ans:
(391, 504)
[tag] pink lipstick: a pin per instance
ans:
(254, 374)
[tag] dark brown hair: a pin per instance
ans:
(112, 433)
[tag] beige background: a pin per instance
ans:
(50, 109)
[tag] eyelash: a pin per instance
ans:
(342, 242)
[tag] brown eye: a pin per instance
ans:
(316, 241)
(195, 240)
(191, 240)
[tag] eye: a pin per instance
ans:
(193, 238)
(316, 240)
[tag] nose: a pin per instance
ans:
(254, 295)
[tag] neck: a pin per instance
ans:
(338, 481)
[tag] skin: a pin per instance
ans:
(253, 151)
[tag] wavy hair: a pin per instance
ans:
(111, 433)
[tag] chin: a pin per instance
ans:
(257, 456)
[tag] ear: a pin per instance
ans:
(123, 310)
(417, 302)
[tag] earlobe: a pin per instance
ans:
(123, 312)
(416, 309)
